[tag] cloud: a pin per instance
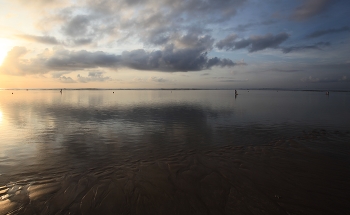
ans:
(40, 39)
(245, 27)
(53, 41)
(317, 46)
(81, 41)
(170, 59)
(13, 64)
(226, 79)
(287, 70)
(79, 60)
(311, 8)
(233, 80)
(254, 43)
(42, 2)
(137, 79)
(267, 41)
(328, 31)
(311, 79)
(65, 79)
(157, 79)
(56, 60)
(207, 10)
(87, 28)
(77, 26)
(93, 77)
(151, 22)
(228, 42)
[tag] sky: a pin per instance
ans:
(229, 44)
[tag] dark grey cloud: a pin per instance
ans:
(77, 26)
(170, 59)
(311, 8)
(40, 39)
(328, 31)
(254, 43)
(86, 29)
(181, 37)
(79, 60)
(153, 22)
(245, 27)
(287, 70)
(194, 41)
(316, 46)
(60, 60)
(215, 61)
(157, 39)
(267, 41)
(82, 41)
(189, 54)
(227, 42)
(240, 44)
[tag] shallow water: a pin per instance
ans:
(174, 152)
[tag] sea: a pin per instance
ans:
(112, 151)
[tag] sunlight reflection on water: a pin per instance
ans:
(84, 121)
(87, 141)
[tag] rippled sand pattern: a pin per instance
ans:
(280, 177)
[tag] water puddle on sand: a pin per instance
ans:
(282, 177)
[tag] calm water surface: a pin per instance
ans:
(174, 152)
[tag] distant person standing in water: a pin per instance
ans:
(236, 92)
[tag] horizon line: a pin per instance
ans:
(185, 88)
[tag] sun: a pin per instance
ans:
(5, 47)
(2, 57)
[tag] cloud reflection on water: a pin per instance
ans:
(84, 127)
(82, 150)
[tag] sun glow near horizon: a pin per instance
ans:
(2, 56)
(5, 46)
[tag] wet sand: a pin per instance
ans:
(285, 176)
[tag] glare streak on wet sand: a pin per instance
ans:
(281, 177)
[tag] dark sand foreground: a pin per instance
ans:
(281, 177)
